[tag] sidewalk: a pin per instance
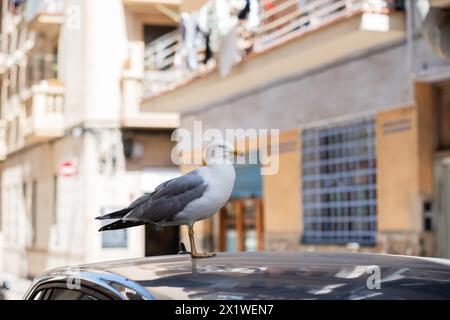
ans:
(18, 286)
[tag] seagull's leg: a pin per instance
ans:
(194, 253)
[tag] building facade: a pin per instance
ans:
(74, 144)
(91, 93)
(358, 93)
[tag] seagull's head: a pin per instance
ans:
(220, 152)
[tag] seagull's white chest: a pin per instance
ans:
(220, 182)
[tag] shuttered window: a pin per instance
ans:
(339, 197)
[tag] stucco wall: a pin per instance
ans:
(372, 80)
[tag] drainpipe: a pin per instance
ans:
(410, 30)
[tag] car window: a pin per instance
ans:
(38, 295)
(66, 294)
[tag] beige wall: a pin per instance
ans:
(312, 50)
(282, 195)
(67, 232)
(397, 170)
(157, 148)
(191, 5)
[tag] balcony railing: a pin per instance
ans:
(41, 66)
(45, 111)
(37, 7)
(280, 21)
(159, 63)
(286, 19)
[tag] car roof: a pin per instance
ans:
(270, 275)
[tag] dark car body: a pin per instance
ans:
(259, 275)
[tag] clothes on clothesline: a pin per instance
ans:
(253, 19)
(214, 28)
(208, 51)
(15, 5)
(228, 52)
(243, 14)
(191, 41)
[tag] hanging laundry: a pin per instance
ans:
(187, 54)
(190, 41)
(243, 14)
(219, 29)
(253, 20)
(16, 5)
(228, 53)
(203, 17)
(208, 52)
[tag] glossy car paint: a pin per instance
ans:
(264, 275)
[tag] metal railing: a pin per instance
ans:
(280, 20)
(160, 53)
(285, 19)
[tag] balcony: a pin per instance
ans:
(3, 145)
(289, 39)
(152, 6)
(45, 15)
(160, 71)
(44, 111)
(3, 56)
(133, 83)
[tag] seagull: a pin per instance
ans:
(184, 200)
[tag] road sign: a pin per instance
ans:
(67, 169)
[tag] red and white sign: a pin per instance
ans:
(67, 169)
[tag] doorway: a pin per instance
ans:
(442, 180)
(162, 241)
(241, 225)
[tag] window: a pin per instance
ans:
(66, 294)
(153, 32)
(39, 295)
(59, 291)
(339, 183)
(115, 238)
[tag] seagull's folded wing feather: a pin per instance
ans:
(168, 199)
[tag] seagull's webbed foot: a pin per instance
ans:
(202, 255)
(194, 253)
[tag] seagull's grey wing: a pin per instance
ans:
(140, 200)
(147, 196)
(169, 198)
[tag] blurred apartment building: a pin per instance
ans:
(92, 91)
(360, 91)
(73, 143)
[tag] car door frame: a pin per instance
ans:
(48, 288)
